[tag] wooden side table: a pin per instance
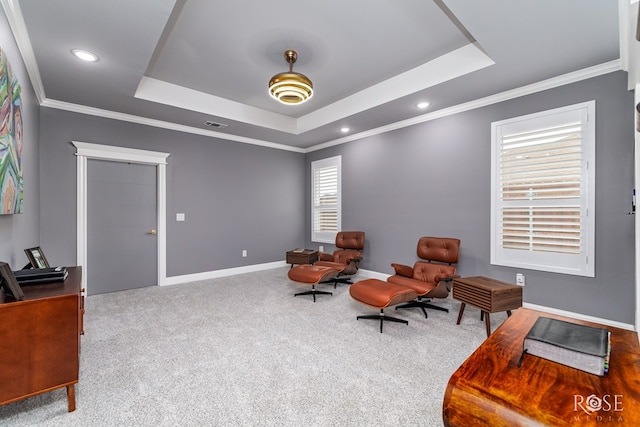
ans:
(306, 256)
(489, 295)
(490, 389)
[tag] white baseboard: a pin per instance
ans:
(579, 316)
(186, 278)
(365, 274)
(176, 280)
(369, 274)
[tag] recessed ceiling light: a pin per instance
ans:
(422, 105)
(85, 55)
(344, 129)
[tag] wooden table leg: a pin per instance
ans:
(488, 323)
(508, 313)
(71, 397)
(460, 313)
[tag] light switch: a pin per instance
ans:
(179, 217)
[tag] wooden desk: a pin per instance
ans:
(307, 256)
(40, 339)
(489, 295)
(490, 390)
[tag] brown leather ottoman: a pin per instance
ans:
(312, 275)
(378, 294)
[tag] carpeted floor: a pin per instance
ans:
(242, 351)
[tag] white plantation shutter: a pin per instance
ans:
(325, 183)
(542, 197)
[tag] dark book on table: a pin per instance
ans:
(34, 276)
(579, 346)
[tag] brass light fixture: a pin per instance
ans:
(290, 88)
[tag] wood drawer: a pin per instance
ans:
(487, 294)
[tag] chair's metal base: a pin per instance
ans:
(422, 305)
(313, 292)
(338, 279)
(382, 317)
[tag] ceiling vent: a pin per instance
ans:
(214, 124)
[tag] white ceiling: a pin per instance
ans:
(177, 64)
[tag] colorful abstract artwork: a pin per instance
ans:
(11, 185)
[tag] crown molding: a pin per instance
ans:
(551, 83)
(629, 44)
(21, 35)
(108, 114)
(459, 62)
(161, 92)
(16, 22)
(573, 77)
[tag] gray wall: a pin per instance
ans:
(235, 196)
(434, 179)
(21, 231)
(428, 179)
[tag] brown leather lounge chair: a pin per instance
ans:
(431, 277)
(346, 258)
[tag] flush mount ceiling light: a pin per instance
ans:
(290, 88)
(85, 55)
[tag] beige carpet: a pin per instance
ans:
(242, 351)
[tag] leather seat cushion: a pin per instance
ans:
(312, 274)
(420, 287)
(378, 294)
(335, 265)
(346, 256)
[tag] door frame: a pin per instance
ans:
(86, 151)
(636, 186)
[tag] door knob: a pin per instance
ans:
(153, 232)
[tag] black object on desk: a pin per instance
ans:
(35, 276)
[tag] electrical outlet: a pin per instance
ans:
(244, 253)
(519, 279)
(321, 248)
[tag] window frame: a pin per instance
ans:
(583, 263)
(326, 236)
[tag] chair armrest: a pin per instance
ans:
(322, 256)
(447, 279)
(355, 259)
(402, 270)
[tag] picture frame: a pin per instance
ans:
(9, 282)
(36, 257)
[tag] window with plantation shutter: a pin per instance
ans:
(326, 199)
(543, 175)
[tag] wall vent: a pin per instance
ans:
(214, 124)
